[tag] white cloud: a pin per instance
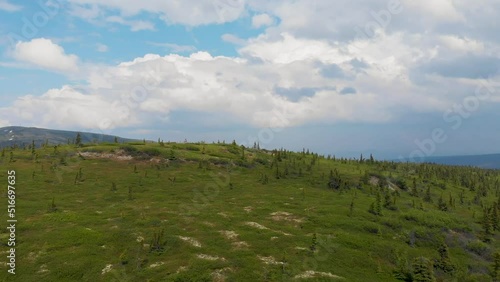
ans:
(287, 48)
(441, 10)
(188, 12)
(261, 20)
(464, 45)
(9, 7)
(45, 54)
(135, 25)
(102, 48)
(150, 87)
(176, 48)
(314, 53)
(231, 38)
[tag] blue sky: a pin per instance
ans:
(396, 78)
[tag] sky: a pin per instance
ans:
(395, 78)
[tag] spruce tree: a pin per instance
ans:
(444, 262)
(442, 204)
(487, 226)
(495, 273)
(428, 197)
(78, 140)
(422, 270)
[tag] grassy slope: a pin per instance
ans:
(95, 226)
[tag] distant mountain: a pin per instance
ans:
(489, 161)
(18, 135)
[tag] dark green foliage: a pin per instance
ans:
(422, 270)
(428, 197)
(442, 204)
(403, 269)
(157, 244)
(129, 150)
(314, 243)
(78, 140)
(487, 225)
(495, 271)
(376, 206)
(444, 262)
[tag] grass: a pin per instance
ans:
(124, 218)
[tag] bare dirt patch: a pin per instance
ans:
(240, 244)
(286, 216)
(107, 269)
(193, 242)
(160, 263)
(118, 155)
(374, 180)
(231, 235)
(219, 275)
(209, 257)
(269, 260)
(316, 274)
(256, 225)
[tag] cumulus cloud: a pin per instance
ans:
(260, 94)
(176, 48)
(43, 53)
(261, 20)
(188, 12)
(319, 65)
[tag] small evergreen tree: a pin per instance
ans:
(78, 140)
(442, 204)
(422, 270)
(444, 262)
(378, 203)
(428, 197)
(313, 243)
(487, 226)
(495, 272)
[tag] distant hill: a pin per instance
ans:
(18, 135)
(489, 161)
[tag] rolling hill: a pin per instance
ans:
(21, 136)
(486, 161)
(223, 212)
(490, 161)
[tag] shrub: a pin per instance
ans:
(131, 150)
(260, 161)
(153, 152)
(192, 148)
(478, 247)
(217, 161)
